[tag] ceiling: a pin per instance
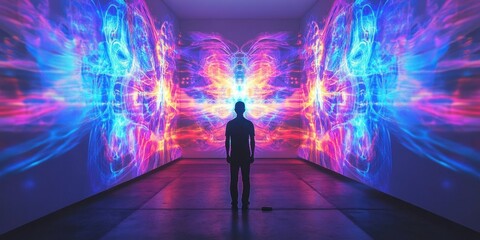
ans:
(240, 9)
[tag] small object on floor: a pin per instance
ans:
(267, 208)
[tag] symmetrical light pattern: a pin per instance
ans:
(214, 73)
(81, 71)
(375, 72)
(403, 69)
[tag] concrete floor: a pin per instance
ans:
(189, 199)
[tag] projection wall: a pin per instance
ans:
(392, 99)
(214, 73)
(87, 100)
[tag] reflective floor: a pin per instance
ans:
(189, 199)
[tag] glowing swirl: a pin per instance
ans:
(104, 70)
(388, 68)
(216, 73)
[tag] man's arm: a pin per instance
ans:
(252, 145)
(227, 147)
(227, 144)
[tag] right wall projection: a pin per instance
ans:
(386, 75)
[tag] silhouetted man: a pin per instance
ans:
(239, 131)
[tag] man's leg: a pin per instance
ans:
(234, 166)
(246, 184)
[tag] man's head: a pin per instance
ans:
(239, 108)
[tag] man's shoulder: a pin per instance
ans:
(242, 121)
(230, 123)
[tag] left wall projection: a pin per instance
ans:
(95, 74)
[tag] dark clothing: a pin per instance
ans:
(239, 129)
(234, 168)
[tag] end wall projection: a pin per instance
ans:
(214, 73)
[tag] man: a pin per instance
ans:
(239, 131)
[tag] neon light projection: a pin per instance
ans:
(101, 73)
(399, 69)
(214, 73)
